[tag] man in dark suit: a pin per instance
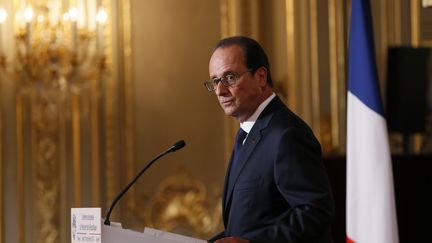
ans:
(276, 186)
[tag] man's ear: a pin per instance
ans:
(261, 73)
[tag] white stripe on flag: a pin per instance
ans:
(371, 212)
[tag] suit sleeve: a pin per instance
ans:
(301, 179)
(217, 237)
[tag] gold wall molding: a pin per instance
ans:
(1, 164)
(110, 112)
(426, 25)
(415, 22)
(112, 185)
(228, 18)
(95, 141)
(334, 78)
(125, 28)
(76, 150)
(337, 42)
(383, 39)
(314, 68)
(303, 59)
(396, 19)
(64, 204)
(306, 54)
(240, 17)
(20, 170)
(255, 18)
(291, 55)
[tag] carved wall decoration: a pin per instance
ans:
(182, 204)
(45, 134)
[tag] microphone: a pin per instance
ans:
(178, 145)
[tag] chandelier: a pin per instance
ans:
(58, 44)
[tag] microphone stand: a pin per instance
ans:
(180, 144)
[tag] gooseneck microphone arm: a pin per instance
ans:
(180, 144)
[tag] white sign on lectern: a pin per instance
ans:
(86, 225)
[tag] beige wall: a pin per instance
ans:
(171, 44)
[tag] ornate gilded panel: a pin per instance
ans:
(57, 75)
(1, 170)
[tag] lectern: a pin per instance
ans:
(87, 226)
(114, 233)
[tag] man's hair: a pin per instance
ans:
(253, 53)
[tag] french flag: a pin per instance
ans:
(371, 211)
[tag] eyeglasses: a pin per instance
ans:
(228, 79)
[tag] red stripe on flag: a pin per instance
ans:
(348, 240)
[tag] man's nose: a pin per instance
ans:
(221, 89)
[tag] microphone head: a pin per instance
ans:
(180, 144)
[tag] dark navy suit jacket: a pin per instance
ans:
(281, 192)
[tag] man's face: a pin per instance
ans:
(241, 99)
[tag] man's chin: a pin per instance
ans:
(230, 112)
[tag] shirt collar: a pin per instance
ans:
(248, 124)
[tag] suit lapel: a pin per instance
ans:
(251, 142)
(224, 196)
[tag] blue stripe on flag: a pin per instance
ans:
(363, 77)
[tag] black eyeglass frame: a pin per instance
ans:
(227, 80)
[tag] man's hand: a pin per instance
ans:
(231, 240)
